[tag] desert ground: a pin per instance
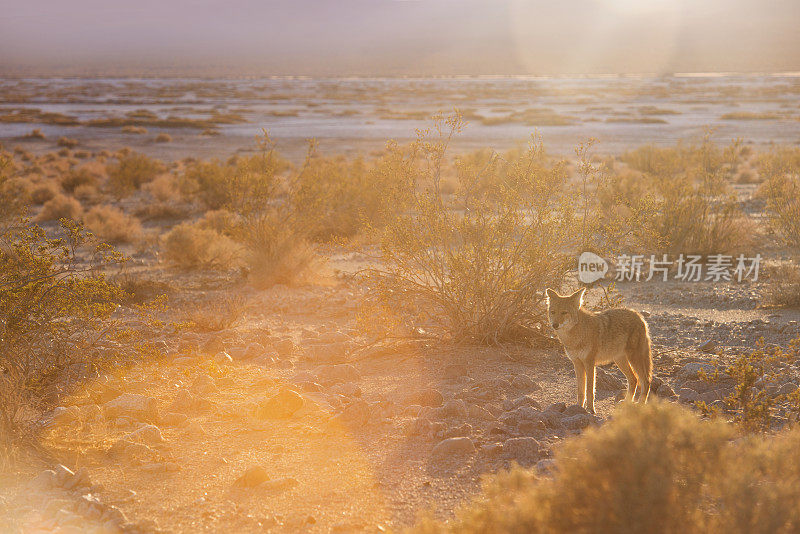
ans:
(289, 403)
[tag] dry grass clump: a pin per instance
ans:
(781, 171)
(652, 468)
(750, 116)
(76, 178)
(275, 253)
(214, 315)
(335, 197)
(164, 188)
(138, 130)
(131, 171)
(36, 133)
(112, 225)
(688, 207)
(783, 286)
(243, 184)
(190, 246)
(141, 289)
(67, 142)
(61, 207)
(44, 191)
(163, 138)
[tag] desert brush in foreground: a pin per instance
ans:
(655, 468)
(590, 339)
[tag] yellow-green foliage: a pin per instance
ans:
(131, 171)
(473, 266)
(652, 468)
(52, 314)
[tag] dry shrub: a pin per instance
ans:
(42, 192)
(67, 142)
(275, 252)
(163, 138)
(783, 286)
(652, 468)
(86, 193)
(141, 289)
(244, 185)
(76, 178)
(61, 207)
(138, 130)
(781, 171)
(164, 188)
(17, 189)
(687, 205)
(336, 197)
(131, 171)
(36, 133)
(214, 315)
(112, 225)
(221, 221)
(190, 246)
(473, 267)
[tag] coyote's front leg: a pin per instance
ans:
(580, 378)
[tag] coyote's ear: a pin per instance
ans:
(550, 293)
(578, 295)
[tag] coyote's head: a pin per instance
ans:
(563, 311)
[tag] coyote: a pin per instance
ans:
(590, 339)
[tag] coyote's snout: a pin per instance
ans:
(616, 335)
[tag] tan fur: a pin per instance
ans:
(617, 335)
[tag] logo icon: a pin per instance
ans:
(591, 267)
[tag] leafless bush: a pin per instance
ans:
(473, 268)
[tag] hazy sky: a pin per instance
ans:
(396, 37)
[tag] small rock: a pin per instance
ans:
(708, 346)
(574, 409)
(687, 395)
(691, 369)
(605, 381)
(453, 408)
(578, 421)
(426, 397)
(133, 405)
(223, 358)
(453, 447)
(332, 374)
(147, 434)
(203, 385)
(44, 481)
(174, 419)
(252, 477)
(279, 484)
(525, 383)
(281, 406)
(478, 412)
(525, 450)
